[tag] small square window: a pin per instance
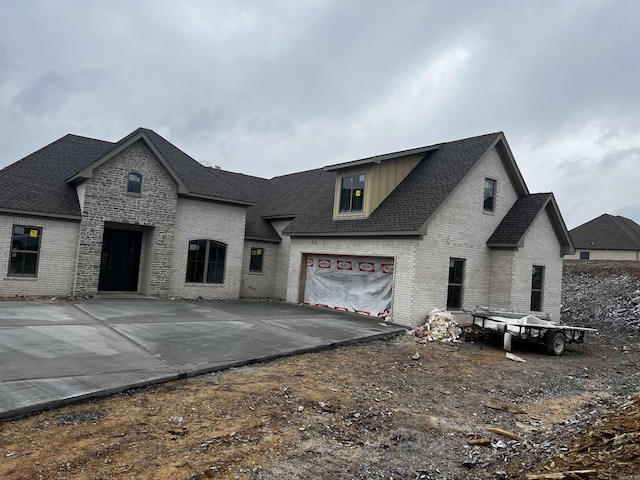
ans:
(489, 194)
(255, 264)
(134, 182)
(584, 255)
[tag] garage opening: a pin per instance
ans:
(355, 284)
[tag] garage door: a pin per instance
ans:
(353, 284)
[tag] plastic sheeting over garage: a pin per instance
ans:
(353, 284)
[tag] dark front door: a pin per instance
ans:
(120, 260)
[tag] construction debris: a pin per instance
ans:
(441, 326)
(515, 358)
(560, 475)
(506, 433)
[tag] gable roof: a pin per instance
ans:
(55, 169)
(409, 206)
(306, 198)
(513, 228)
(607, 232)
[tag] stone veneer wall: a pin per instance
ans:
(106, 200)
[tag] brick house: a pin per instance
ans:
(395, 235)
(606, 237)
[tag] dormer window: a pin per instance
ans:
(352, 193)
(134, 182)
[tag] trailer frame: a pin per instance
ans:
(528, 327)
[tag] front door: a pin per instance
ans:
(120, 260)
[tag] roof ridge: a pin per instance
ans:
(620, 221)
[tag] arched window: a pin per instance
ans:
(134, 182)
(205, 261)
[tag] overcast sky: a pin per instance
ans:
(272, 87)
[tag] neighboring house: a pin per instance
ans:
(606, 238)
(450, 225)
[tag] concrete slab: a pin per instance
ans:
(57, 353)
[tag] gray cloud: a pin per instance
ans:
(51, 90)
(299, 85)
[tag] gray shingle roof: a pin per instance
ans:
(290, 196)
(409, 206)
(203, 180)
(513, 227)
(37, 182)
(607, 232)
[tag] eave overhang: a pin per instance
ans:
(228, 201)
(262, 239)
(379, 158)
(32, 213)
(412, 234)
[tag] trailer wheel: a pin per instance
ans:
(555, 342)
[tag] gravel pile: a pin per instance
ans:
(603, 295)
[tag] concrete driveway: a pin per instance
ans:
(53, 353)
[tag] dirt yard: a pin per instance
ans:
(372, 411)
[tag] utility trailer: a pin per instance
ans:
(528, 327)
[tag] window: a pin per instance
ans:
(255, 264)
(134, 182)
(205, 261)
(25, 248)
(352, 193)
(584, 255)
(537, 280)
(456, 273)
(489, 194)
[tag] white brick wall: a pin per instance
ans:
(540, 248)
(282, 267)
(259, 284)
(211, 221)
(56, 263)
(460, 229)
(619, 255)
(403, 252)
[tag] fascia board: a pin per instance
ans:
(380, 158)
(29, 213)
(208, 198)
